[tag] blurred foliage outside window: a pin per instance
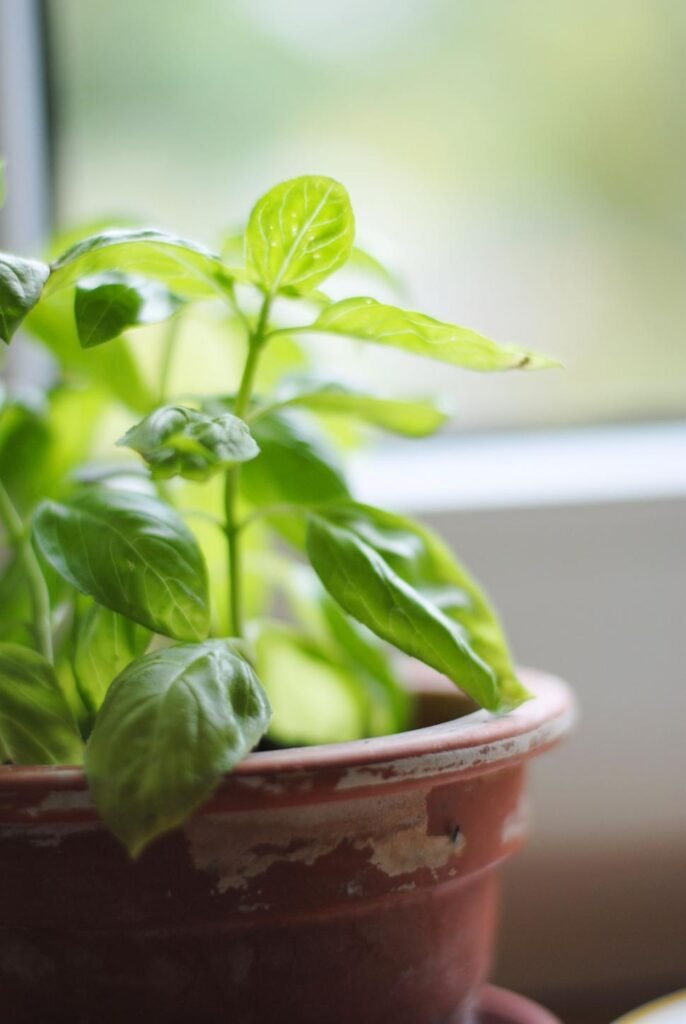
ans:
(523, 165)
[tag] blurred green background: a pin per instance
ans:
(522, 164)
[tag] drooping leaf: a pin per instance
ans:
(184, 267)
(21, 285)
(299, 233)
(409, 418)
(415, 559)
(133, 554)
(295, 465)
(183, 716)
(106, 305)
(313, 699)
(105, 643)
(177, 441)
(369, 320)
(36, 724)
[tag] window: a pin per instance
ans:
(524, 165)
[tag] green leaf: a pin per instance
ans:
(347, 644)
(176, 441)
(114, 366)
(36, 724)
(367, 263)
(172, 723)
(409, 418)
(295, 465)
(299, 233)
(105, 644)
(365, 585)
(415, 557)
(313, 699)
(106, 305)
(369, 320)
(358, 648)
(185, 268)
(133, 554)
(21, 286)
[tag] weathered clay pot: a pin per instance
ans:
(349, 883)
(496, 1006)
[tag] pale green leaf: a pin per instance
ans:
(369, 320)
(414, 418)
(171, 725)
(299, 233)
(184, 267)
(313, 699)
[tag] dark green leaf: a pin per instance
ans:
(416, 558)
(21, 285)
(176, 441)
(105, 644)
(295, 465)
(410, 418)
(36, 724)
(299, 233)
(106, 305)
(185, 268)
(369, 320)
(172, 723)
(133, 554)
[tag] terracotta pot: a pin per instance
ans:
(496, 1006)
(349, 883)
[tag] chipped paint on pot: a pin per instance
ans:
(350, 882)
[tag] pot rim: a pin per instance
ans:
(476, 739)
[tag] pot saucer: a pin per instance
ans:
(497, 1006)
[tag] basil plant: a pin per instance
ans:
(218, 585)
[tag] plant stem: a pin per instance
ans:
(170, 340)
(38, 590)
(232, 479)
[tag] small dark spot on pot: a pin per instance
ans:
(454, 834)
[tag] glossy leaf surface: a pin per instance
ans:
(36, 723)
(374, 321)
(21, 285)
(177, 441)
(299, 233)
(384, 572)
(184, 267)
(184, 716)
(106, 305)
(133, 554)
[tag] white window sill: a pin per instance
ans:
(563, 467)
